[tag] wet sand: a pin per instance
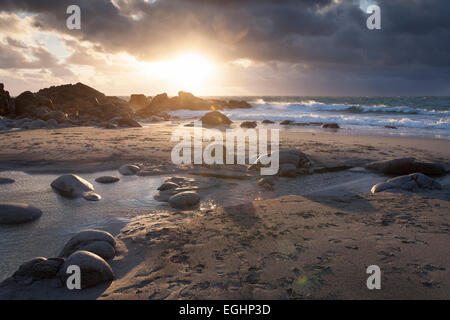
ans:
(312, 237)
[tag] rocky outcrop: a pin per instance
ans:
(73, 186)
(186, 100)
(411, 182)
(215, 119)
(31, 104)
(6, 103)
(403, 166)
(17, 213)
(139, 100)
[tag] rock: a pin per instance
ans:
(215, 119)
(390, 127)
(58, 116)
(107, 179)
(168, 186)
(404, 166)
(288, 170)
(16, 213)
(94, 269)
(412, 182)
(184, 200)
(290, 156)
(4, 180)
(52, 123)
(249, 124)
(100, 248)
(129, 169)
(91, 239)
(330, 126)
(73, 186)
(267, 121)
(127, 122)
(164, 196)
(139, 100)
(28, 102)
(39, 268)
(233, 104)
(37, 124)
(286, 122)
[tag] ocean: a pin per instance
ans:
(412, 116)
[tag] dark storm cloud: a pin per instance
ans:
(329, 36)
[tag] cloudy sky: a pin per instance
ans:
(228, 47)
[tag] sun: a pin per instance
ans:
(186, 71)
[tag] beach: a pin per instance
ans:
(309, 237)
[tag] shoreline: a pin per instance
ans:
(254, 243)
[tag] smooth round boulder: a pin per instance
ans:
(101, 248)
(402, 166)
(267, 121)
(39, 268)
(129, 169)
(72, 186)
(215, 119)
(330, 126)
(94, 269)
(17, 213)
(411, 182)
(249, 124)
(168, 186)
(107, 179)
(184, 200)
(84, 238)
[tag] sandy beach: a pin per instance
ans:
(310, 237)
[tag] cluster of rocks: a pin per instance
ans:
(6, 102)
(179, 192)
(88, 249)
(291, 163)
(184, 100)
(412, 182)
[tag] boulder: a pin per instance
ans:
(330, 126)
(267, 121)
(58, 116)
(91, 239)
(94, 269)
(39, 268)
(52, 123)
(286, 122)
(249, 124)
(288, 170)
(168, 186)
(184, 200)
(234, 104)
(215, 119)
(403, 166)
(127, 122)
(16, 213)
(107, 179)
(4, 180)
(129, 169)
(411, 182)
(73, 186)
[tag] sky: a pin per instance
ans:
(228, 47)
